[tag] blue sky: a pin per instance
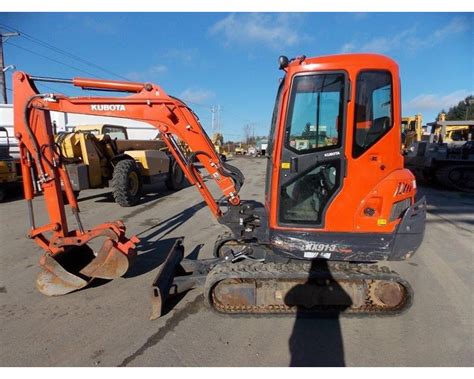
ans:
(230, 59)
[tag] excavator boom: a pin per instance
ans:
(43, 171)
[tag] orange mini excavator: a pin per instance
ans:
(337, 198)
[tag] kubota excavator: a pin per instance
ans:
(335, 192)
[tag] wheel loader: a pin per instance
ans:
(335, 205)
(97, 156)
(412, 130)
(218, 142)
(9, 167)
(446, 156)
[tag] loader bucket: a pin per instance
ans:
(77, 266)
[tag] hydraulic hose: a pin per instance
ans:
(33, 139)
(224, 169)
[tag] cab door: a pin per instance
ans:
(312, 165)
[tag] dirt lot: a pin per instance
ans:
(107, 325)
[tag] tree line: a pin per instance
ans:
(464, 110)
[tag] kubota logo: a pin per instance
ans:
(107, 107)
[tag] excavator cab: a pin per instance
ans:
(336, 188)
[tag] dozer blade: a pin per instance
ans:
(60, 273)
(164, 279)
(110, 262)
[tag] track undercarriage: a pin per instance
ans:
(237, 283)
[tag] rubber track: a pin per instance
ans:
(337, 272)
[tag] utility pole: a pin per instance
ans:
(213, 119)
(3, 69)
(218, 119)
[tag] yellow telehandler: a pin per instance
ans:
(102, 155)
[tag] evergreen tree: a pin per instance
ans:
(463, 111)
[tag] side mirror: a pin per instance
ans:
(283, 62)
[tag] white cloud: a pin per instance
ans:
(149, 74)
(186, 56)
(273, 30)
(409, 39)
(457, 25)
(101, 25)
(158, 69)
(435, 102)
(348, 47)
(381, 44)
(196, 95)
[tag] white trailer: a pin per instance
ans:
(67, 121)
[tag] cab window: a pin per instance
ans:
(115, 133)
(271, 137)
(373, 109)
(314, 120)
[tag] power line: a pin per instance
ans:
(63, 52)
(51, 59)
(54, 48)
(48, 87)
(237, 116)
(197, 104)
(78, 58)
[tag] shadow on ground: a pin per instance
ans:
(150, 193)
(153, 248)
(316, 339)
(13, 192)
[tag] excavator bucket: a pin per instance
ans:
(110, 263)
(60, 273)
(76, 266)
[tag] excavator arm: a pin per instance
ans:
(43, 171)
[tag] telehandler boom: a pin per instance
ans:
(336, 194)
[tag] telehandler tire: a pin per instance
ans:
(127, 185)
(176, 178)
